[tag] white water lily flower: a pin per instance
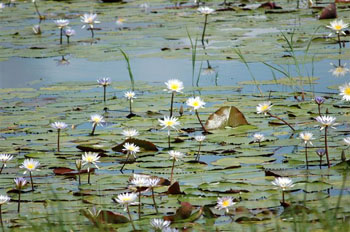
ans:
(159, 224)
(347, 140)
(174, 85)
(104, 81)
(36, 29)
(69, 32)
(4, 199)
(263, 108)
(307, 137)
(90, 158)
(30, 164)
(176, 155)
(4, 158)
(89, 19)
(258, 137)
(283, 182)
(140, 182)
(345, 91)
(131, 148)
(338, 26)
(169, 122)
(59, 125)
(225, 203)
(153, 182)
(339, 71)
(130, 133)
(97, 119)
(61, 23)
(195, 102)
(199, 138)
(205, 10)
(20, 182)
(130, 95)
(126, 199)
(326, 121)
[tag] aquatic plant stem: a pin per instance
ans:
(93, 129)
(205, 130)
(79, 177)
(104, 93)
(171, 104)
(283, 201)
(319, 110)
(92, 32)
(67, 39)
(61, 33)
(339, 42)
(326, 145)
(172, 172)
(2, 224)
(168, 141)
(274, 116)
(130, 106)
(19, 201)
(320, 162)
(199, 150)
(127, 158)
(139, 210)
(31, 180)
(58, 140)
(154, 201)
(88, 176)
(130, 218)
(204, 28)
(2, 167)
(345, 175)
(307, 161)
(37, 11)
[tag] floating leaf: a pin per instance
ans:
(143, 144)
(225, 116)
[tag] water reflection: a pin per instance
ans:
(339, 70)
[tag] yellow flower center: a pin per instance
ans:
(127, 199)
(89, 159)
(174, 86)
(225, 203)
(338, 27)
(30, 166)
(347, 91)
(169, 123)
(196, 103)
(264, 107)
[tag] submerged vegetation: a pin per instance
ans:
(153, 164)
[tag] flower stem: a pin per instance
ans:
(205, 130)
(2, 224)
(154, 201)
(139, 211)
(104, 93)
(67, 39)
(19, 201)
(283, 201)
(130, 106)
(169, 140)
(79, 177)
(93, 129)
(132, 223)
(58, 140)
(307, 161)
(199, 150)
(172, 172)
(320, 162)
(92, 32)
(89, 176)
(61, 33)
(319, 110)
(339, 42)
(205, 26)
(31, 180)
(171, 104)
(2, 167)
(127, 158)
(37, 11)
(326, 146)
(285, 122)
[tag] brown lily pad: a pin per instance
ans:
(329, 12)
(225, 116)
(143, 144)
